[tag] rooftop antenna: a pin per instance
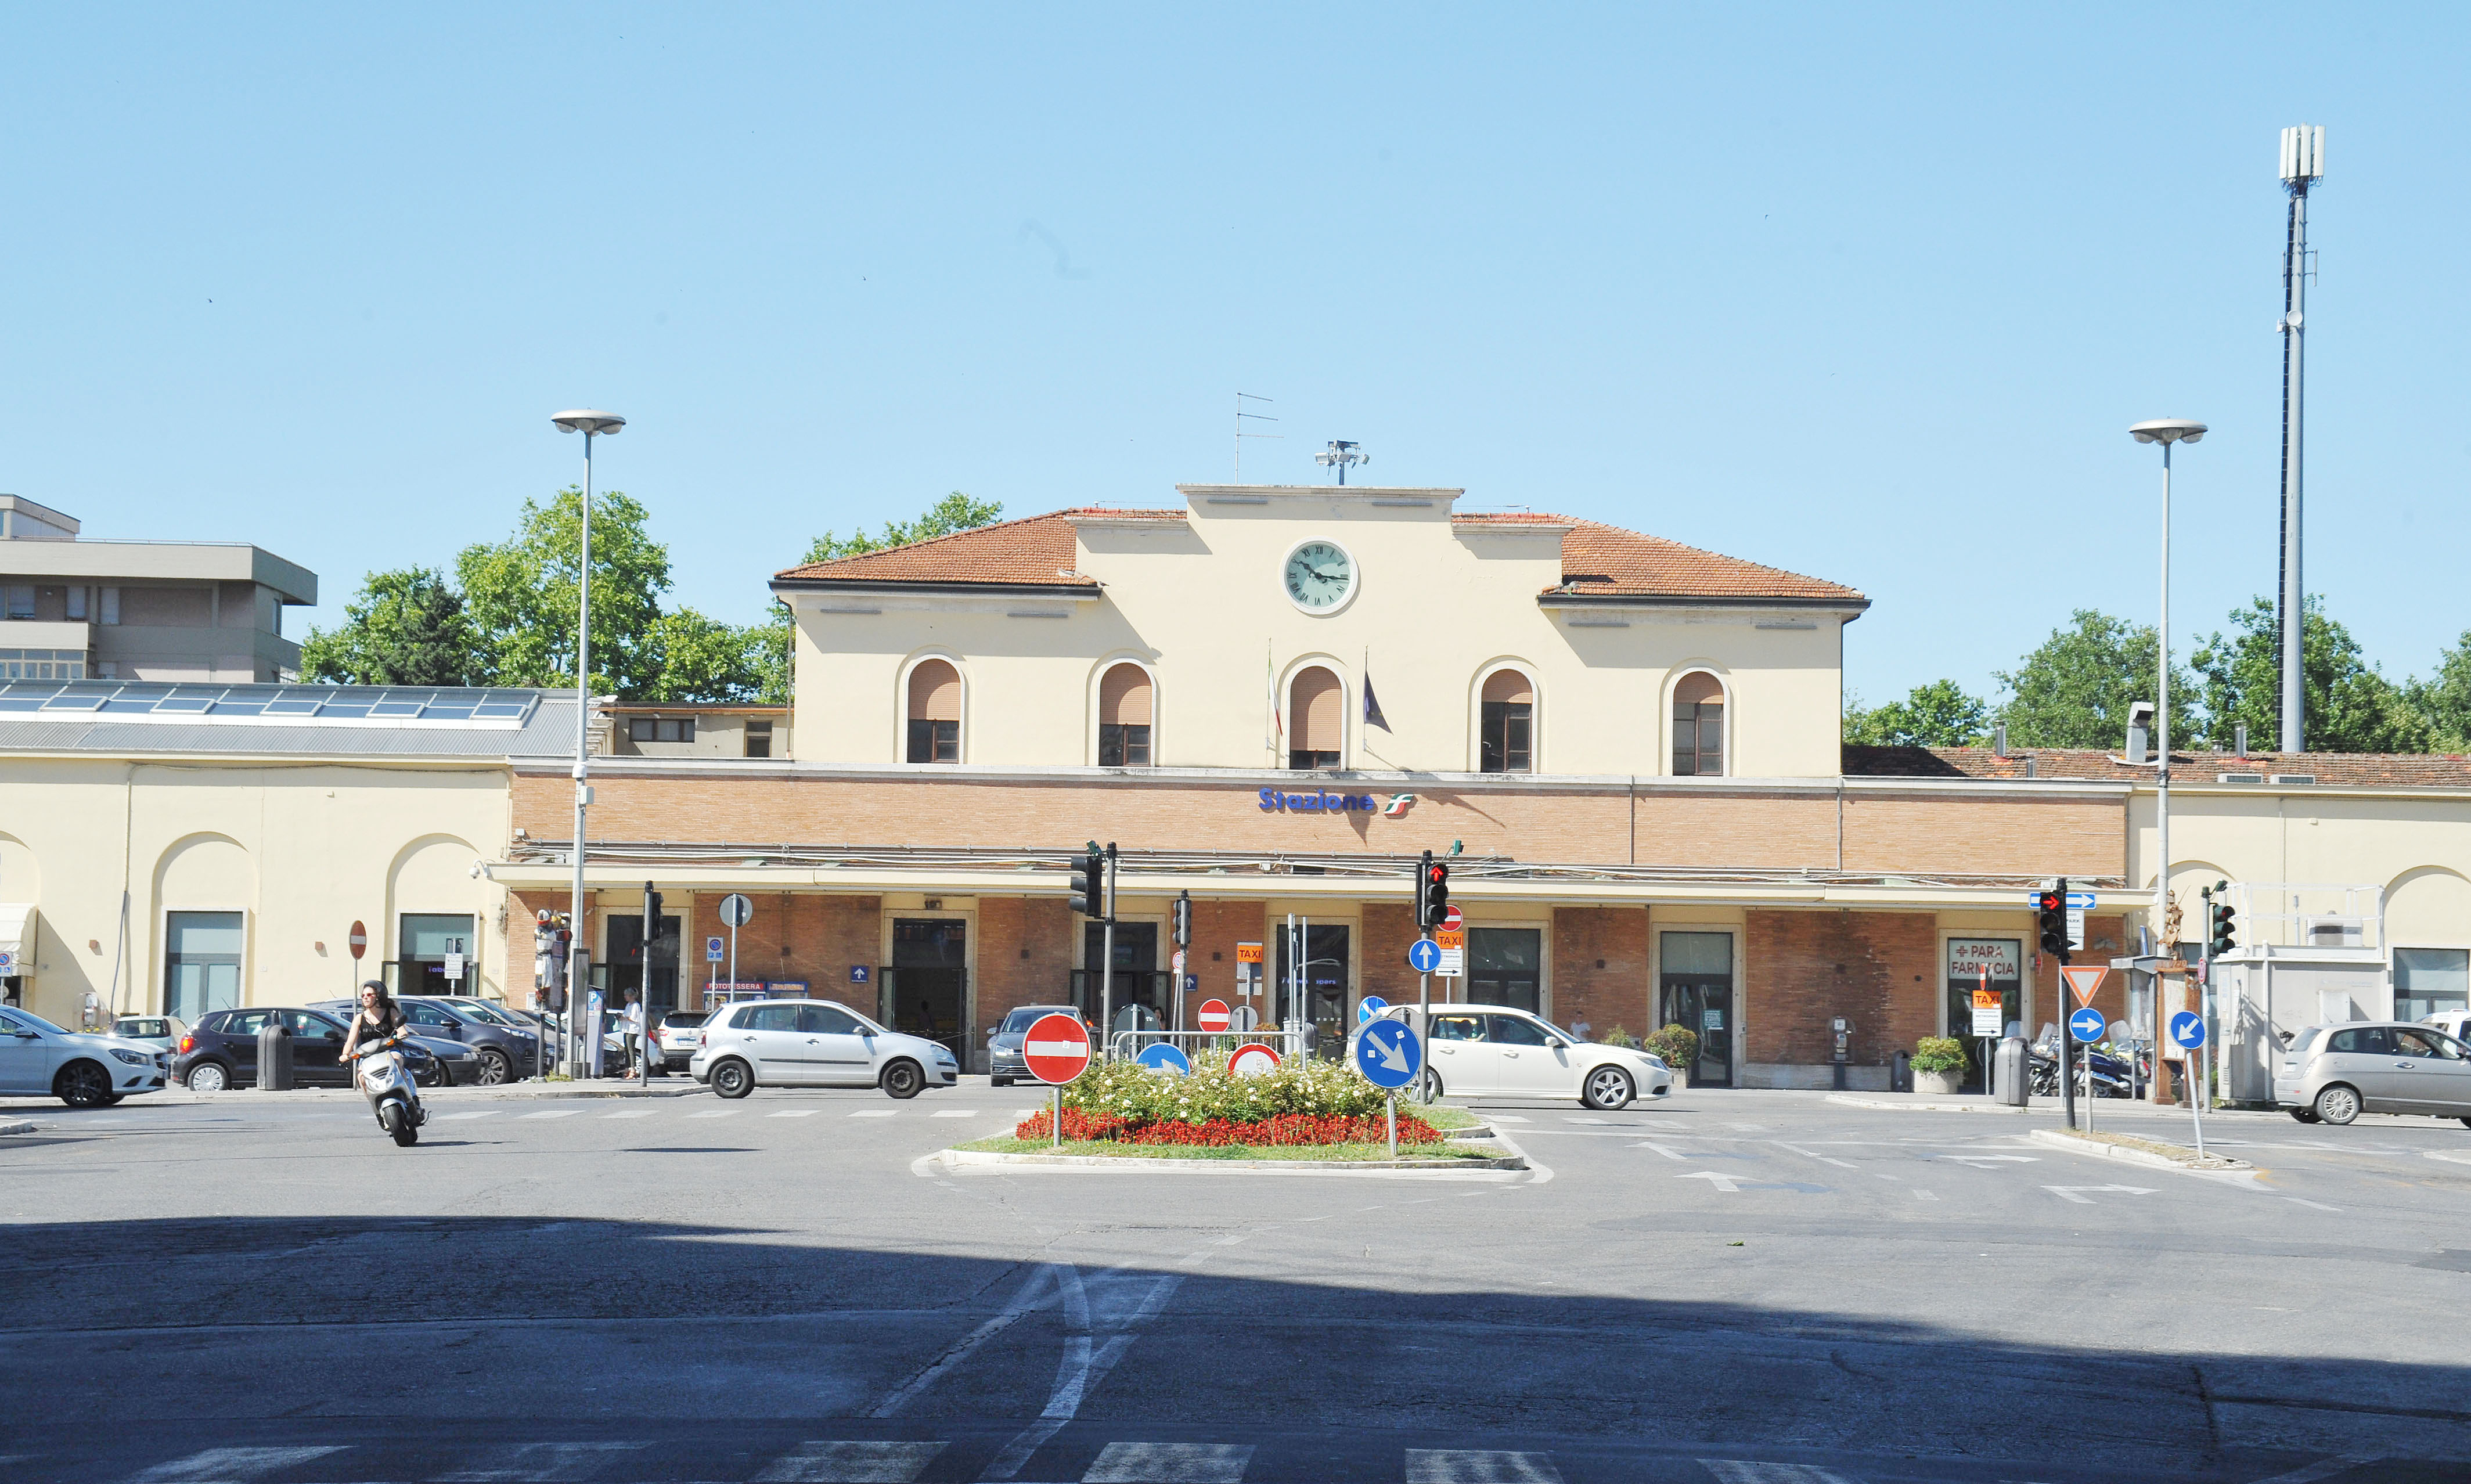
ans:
(1340, 454)
(2303, 165)
(1241, 398)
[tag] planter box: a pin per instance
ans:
(1939, 1084)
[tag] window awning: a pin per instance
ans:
(16, 937)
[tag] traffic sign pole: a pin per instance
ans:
(1424, 1026)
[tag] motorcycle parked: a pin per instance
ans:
(385, 1078)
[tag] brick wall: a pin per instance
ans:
(1600, 972)
(1381, 958)
(1801, 970)
(1024, 958)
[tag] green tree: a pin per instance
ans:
(2444, 698)
(2075, 690)
(1936, 714)
(954, 513)
(695, 658)
(520, 595)
(2350, 706)
(406, 627)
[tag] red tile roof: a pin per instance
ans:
(1598, 561)
(2330, 769)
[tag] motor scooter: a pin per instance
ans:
(385, 1078)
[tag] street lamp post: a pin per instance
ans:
(591, 424)
(2165, 431)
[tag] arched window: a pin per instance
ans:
(1124, 717)
(935, 713)
(1316, 718)
(1506, 724)
(1698, 725)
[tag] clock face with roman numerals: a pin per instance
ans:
(1319, 577)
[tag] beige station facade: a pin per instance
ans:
(1271, 699)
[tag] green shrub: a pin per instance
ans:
(1308, 1085)
(1619, 1037)
(1675, 1045)
(1939, 1053)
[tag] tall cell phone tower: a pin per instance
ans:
(2303, 165)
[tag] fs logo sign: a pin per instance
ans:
(1399, 805)
(1320, 802)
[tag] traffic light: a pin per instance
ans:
(651, 920)
(1090, 883)
(2222, 931)
(2051, 917)
(1183, 921)
(1434, 905)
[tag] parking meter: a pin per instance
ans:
(1844, 1031)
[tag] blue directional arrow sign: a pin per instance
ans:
(2086, 1024)
(2188, 1029)
(1165, 1058)
(1388, 1053)
(1424, 956)
(1370, 1006)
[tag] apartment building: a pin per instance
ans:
(74, 608)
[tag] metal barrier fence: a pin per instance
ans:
(1125, 1045)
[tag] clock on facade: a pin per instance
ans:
(1319, 576)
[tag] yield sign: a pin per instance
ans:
(2084, 979)
(1056, 1049)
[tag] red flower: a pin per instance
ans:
(1293, 1128)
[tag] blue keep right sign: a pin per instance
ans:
(2188, 1029)
(1388, 1053)
(2086, 1024)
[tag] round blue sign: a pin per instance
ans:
(2087, 1024)
(1388, 1053)
(2188, 1029)
(1370, 1006)
(1165, 1058)
(1424, 956)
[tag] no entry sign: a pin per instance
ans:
(1212, 1016)
(1056, 1049)
(1251, 1059)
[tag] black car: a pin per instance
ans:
(507, 1051)
(220, 1051)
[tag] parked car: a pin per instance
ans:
(2333, 1074)
(2454, 1022)
(815, 1043)
(38, 1059)
(505, 1051)
(1004, 1065)
(678, 1034)
(1498, 1050)
(159, 1031)
(220, 1051)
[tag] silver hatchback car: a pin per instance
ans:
(2333, 1074)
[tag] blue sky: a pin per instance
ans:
(1867, 294)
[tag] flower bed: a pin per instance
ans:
(1290, 1128)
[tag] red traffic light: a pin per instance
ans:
(2050, 902)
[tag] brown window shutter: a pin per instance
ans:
(934, 693)
(1509, 685)
(1698, 686)
(1317, 707)
(1124, 697)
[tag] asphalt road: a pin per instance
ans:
(1737, 1287)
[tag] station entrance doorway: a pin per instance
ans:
(1979, 964)
(1696, 991)
(925, 992)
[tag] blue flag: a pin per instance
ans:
(1373, 706)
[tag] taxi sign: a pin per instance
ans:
(1248, 953)
(1056, 1049)
(1212, 1015)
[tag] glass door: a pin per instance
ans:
(1697, 993)
(428, 944)
(1324, 952)
(201, 963)
(1982, 965)
(1505, 966)
(928, 990)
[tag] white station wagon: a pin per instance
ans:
(813, 1043)
(1495, 1050)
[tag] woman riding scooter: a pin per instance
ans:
(384, 1077)
(380, 1017)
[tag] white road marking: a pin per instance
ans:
(1824, 1158)
(552, 1113)
(544, 1462)
(850, 1463)
(1031, 1296)
(1669, 1154)
(873, 1113)
(1713, 1179)
(1749, 1128)
(716, 1113)
(1924, 1196)
(1569, 1118)
(957, 1112)
(1985, 1160)
(2318, 1205)
(637, 1113)
(1732, 1471)
(456, 1118)
(2069, 1191)
(230, 1462)
(2324, 1468)
(799, 1113)
(1170, 1463)
(1502, 1118)
(1476, 1465)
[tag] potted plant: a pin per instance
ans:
(1939, 1064)
(1677, 1048)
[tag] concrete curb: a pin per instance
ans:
(1853, 1101)
(16, 1126)
(2062, 1139)
(959, 1159)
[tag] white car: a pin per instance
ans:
(813, 1043)
(38, 1059)
(1495, 1050)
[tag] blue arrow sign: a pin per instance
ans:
(1424, 956)
(1370, 1006)
(1388, 1053)
(2188, 1029)
(1165, 1058)
(2086, 1024)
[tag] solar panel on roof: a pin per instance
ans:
(293, 704)
(497, 710)
(68, 702)
(396, 703)
(184, 705)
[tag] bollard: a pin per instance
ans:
(274, 1056)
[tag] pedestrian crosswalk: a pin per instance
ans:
(902, 1461)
